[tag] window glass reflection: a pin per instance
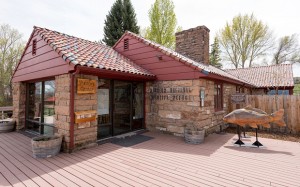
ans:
(40, 107)
(49, 102)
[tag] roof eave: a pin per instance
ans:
(114, 74)
(222, 78)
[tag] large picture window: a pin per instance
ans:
(218, 96)
(40, 107)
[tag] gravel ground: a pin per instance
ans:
(264, 134)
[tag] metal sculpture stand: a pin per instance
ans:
(239, 141)
(257, 143)
(244, 133)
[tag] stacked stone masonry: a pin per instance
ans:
(85, 134)
(171, 105)
(194, 43)
(62, 108)
(19, 101)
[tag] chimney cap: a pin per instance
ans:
(193, 29)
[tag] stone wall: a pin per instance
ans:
(171, 105)
(19, 101)
(62, 108)
(194, 43)
(85, 134)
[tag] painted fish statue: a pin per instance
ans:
(254, 116)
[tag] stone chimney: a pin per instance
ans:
(194, 44)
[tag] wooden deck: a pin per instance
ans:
(162, 161)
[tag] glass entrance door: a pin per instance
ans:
(104, 109)
(138, 106)
(122, 105)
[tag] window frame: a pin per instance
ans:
(218, 99)
(41, 123)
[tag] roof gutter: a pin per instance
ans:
(103, 73)
(219, 77)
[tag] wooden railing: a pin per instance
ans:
(5, 109)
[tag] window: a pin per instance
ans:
(40, 107)
(126, 44)
(218, 96)
(34, 47)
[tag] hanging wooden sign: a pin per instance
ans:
(85, 116)
(86, 86)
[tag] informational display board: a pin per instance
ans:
(103, 101)
(238, 98)
(85, 116)
(86, 86)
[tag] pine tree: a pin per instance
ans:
(214, 56)
(120, 18)
(129, 18)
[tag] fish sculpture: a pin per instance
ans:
(254, 116)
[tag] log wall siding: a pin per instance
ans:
(147, 57)
(46, 62)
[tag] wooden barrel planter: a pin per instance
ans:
(7, 125)
(46, 146)
(194, 136)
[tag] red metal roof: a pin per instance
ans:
(91, 54)
(183, 59)
(266, 76)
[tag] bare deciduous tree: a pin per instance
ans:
(244, 40)
(11, 48)
(288, 50)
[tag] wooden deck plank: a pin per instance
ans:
(162, 161)
(193, 163)
(105, 171)
(25, 148)
(23, 171)
(118, 167)
(165, 169)
(227, 159)
(3, 181)
(31, 170)
(9, 176)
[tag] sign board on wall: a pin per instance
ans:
(86, 86)
(85, 116)
(238, 98)
(170, 93)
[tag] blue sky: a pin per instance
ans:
(85, 19)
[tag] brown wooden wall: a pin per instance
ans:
(147, 57)
(46, 62)
(272, 103)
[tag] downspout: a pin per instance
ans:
(72, 110)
